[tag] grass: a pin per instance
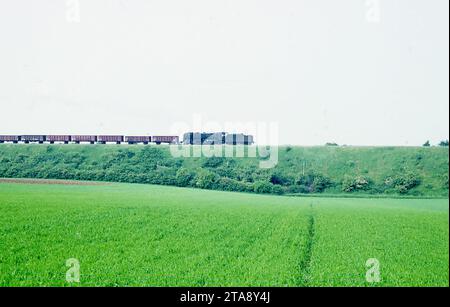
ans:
(408, 237)
(143, 235)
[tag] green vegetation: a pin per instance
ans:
(408, 237)
(443, 143)
(413, 171)
(136, 235)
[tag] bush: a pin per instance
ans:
(354, 184)
(294, 189)
(313, 182)
(262, 187)
(279, 178)
(402, 183)
(212, 162)
(184, 177)
(306, 180)
(277, 189)
(227, 184)
(320, 183)
(205, 179)
(443, 143)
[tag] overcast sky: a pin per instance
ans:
(351, 71)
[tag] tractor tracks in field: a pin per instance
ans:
(304, 274)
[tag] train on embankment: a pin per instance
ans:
(189, 138)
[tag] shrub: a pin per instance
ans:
(280, 179)
(184, 177)
(212, 162)
(357, 183)
(205, 179)
(277, 189)
(227, 184)
(245, 174)
(320, 183)
(443, 143)
(306, 180)
(313, 182)
(297, 189)
(262, 187)
(402, 183)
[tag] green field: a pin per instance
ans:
(144, 235)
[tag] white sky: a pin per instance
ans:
(320, 68)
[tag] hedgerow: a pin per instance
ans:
(299, 170)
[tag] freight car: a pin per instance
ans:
(58, 138)
(9, 138)
(169, 139)
(77, 139)
(138, 139)
(33, 138)
(103, 139)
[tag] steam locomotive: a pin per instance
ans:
(217, 138)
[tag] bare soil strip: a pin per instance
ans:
(305, 261)
(50, 181)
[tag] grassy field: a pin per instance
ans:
(143, 235)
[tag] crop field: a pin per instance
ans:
(146, 235)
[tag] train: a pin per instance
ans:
(189, 138)
(92, 139)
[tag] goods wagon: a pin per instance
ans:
(58, 138)
(32, 138)
(102, 139)
(9, 138)
(170, 139)
(137, 139)
(83, 138)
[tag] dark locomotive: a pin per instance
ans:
(217, 138)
